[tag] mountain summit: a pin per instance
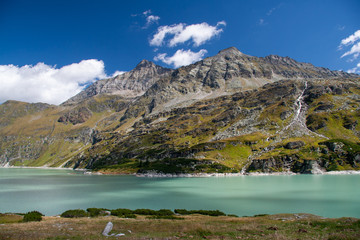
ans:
(129, 84)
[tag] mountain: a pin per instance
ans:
(228, 72)
(129, 84)
(228, 113)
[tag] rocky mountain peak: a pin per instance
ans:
(130, 84)
(144, 64)
(230, 51)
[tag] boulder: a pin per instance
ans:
(294, 145)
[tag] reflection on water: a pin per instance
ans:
(54, 191)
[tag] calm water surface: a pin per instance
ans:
(54, 191)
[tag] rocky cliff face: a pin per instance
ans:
(129, 84)
(227, 113)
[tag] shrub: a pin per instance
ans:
(123, 213)
(209, 212)
(261, 215)
(33, 216)
(164, 212)
(75, 213)
(182, 211)
(95, 212)
(143, 211)
(202, 212)
(149, 212)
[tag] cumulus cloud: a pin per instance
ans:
(181, 33)
(181, 57)
(162, 31)
(48, 84)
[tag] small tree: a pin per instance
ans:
(33, 216)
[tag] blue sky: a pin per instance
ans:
(74, 42)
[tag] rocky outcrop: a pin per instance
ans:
(76, 116)
(294, 145)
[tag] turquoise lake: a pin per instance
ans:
(54, 191)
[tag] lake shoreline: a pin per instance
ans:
(154, 175)
(47, 168)
(190, 175)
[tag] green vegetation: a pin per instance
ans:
(123, 213)
(161, 212)
(127, 213)
(75, 213)
(202, 212)
(182, 165)
(96, 212)
(33, 216)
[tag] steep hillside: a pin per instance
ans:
(51, 137)
(227, 113)
(290, 125)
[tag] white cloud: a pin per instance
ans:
(221, 23)
(198, 33)
(147, 12)
(159, 37)
(151, 19)
(181, 57)
(116, 73)
(355, 51)
(270, 12)
(351, 39)
(48, 84)
(355, 69)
